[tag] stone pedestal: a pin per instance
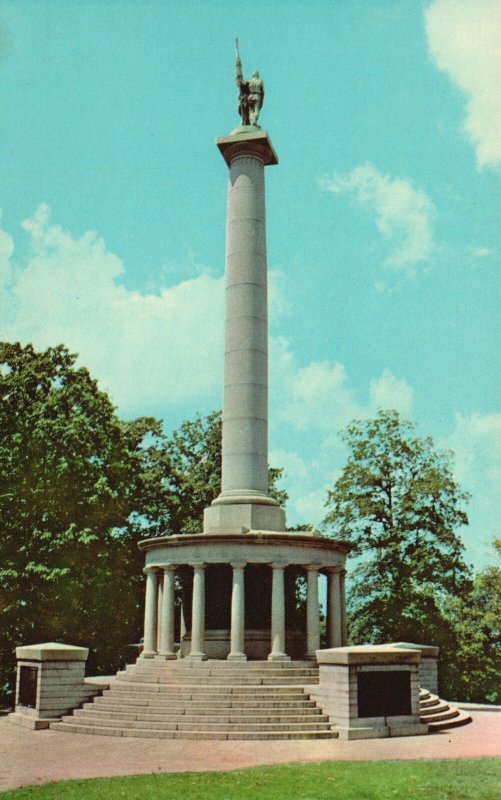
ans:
(370, 692)
(428, 672)
(50, 682)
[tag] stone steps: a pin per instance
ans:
(222, 735)
(208, 715)
(246, 709)
(218, 700)
(209, 700)
(438, 714)
(218, 680)
(186, 691)
(201, 724)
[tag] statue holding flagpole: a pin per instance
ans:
(251, 94)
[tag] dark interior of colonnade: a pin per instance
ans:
(258, 584)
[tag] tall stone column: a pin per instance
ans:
(150, 614)
(198, 615)
(244, 503)
(237, 652)
(278, 615)
(344, 630)
(160, 592)
(167, 613)
(312, 613)
(334, 609)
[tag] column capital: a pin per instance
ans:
(168, 567)
(279, 564)
(238, 564)
(198, 565)
(333, 570)
(151, 570)
(312, 567)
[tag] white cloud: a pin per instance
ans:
(143, 348)
(403, 214)
(318, 395)
(309, 406)
(391, 392)
(476, 443)
(483, 252)
(464, 40)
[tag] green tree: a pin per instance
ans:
(398, 504)
(473, 674)
(71, 478)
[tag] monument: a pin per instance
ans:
(228, 652)
(238, 575)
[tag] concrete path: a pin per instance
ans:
(29, 757)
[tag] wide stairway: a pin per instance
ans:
(222, 700)
(207, 700)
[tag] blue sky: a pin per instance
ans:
(383, 214)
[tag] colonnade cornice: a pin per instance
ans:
(314, 540)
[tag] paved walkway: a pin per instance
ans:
(34, 757)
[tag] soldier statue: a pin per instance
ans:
(251, 97)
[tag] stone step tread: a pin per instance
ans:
(438, 708)
(454, 722)
(169, 667)
(220, 703)
(181, 725)
(218, 681)
(451, 713)
(183, 663)
(167, 689)
(209, 716)
(208, 735)
(430, 701)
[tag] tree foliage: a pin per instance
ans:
(71, 477)
(474, 672)
(398, 504)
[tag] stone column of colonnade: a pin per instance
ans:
(336, 608)
(166, 638)
(237, 651)
(312, 612)
(244, 503)
(160, 605)
(278, 615)
(150, 614)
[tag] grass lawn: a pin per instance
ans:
(363, 780)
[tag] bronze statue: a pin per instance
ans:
(251, 97)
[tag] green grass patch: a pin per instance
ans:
(466, 779)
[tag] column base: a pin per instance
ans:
(148, 654)
(197, 657)
(166, 656)
(279, 657)
(238, 517)
(311, 656)
(236, 657)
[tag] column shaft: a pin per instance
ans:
(334, 610)
(237, 652)
(150, 615)
(198, 614)
(160, 592)
(312, 614)
(167, 614)
(278, 615)
(344, 631)
(245, 401)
